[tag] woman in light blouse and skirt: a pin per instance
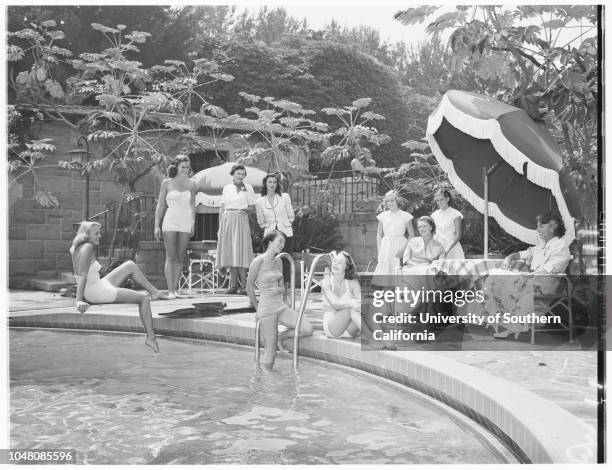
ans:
(234, 245)
(275, 212)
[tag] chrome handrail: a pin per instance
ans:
(292, 284)
(296, 335)
(292, 274)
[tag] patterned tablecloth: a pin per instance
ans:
(467, 267)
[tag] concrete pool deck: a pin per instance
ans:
(540, 404)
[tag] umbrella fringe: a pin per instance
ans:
(490, 129)
(513, 228)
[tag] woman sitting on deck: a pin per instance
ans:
(93, 289)
(272, 307)
(341, 298)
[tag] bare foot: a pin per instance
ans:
(159, 295)
(152, 343)
(171, 295)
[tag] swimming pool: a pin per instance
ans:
(204, 403)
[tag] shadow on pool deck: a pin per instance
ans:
(566, 378)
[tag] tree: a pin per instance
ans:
(354, 133)
(282, 126)
(526, 48)
(133, 142)
(316, 74)
(176, 28)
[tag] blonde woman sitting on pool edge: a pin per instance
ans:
(341, 298)
(93, 289)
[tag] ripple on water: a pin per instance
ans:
(198, 403)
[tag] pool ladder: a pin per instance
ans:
(306, 291)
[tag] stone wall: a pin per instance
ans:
(359, 232)
(39, 237)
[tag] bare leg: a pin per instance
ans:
(170, 265)
(234, 280)
(269, 330)
(118, 276)
(182, 240)
(355, 326)
(288, 318)
(144, 309)
(242, 277)
(338, 322)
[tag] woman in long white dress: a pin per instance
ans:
(449, 227)
(391, 237)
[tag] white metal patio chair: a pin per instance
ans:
(203, 274)
(305, 265)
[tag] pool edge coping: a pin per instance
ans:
(534, 429)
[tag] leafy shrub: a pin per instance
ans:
(316, 229)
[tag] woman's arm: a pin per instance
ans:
(281, 282)
(400, 252)
(289, 208)
(355, 290)
(192, 206)
(259, 208)
(511, 257)
(458, 233)
(160, 209)
(407, 259)
(436, 252)
(252, 279)
(332, 299)
(379, 235)
(251, 198)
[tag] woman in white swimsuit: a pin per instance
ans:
(341, 298)
(176, 205)
(93, 289)
(272, 307)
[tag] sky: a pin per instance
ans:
(377, 15)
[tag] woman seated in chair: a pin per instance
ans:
(421, 251)
(272, 307)
(341, 298)
(93, 289)
(551, 255)
(514, 294)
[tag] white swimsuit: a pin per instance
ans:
(98, 291)
(329, 312)
(178, 215)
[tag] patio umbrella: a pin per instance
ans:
(210, 182)
(476, 139)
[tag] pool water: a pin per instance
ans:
(114, 401)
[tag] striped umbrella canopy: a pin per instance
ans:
(469, 132)
(210, 182)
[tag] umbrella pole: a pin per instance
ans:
(485, 178)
